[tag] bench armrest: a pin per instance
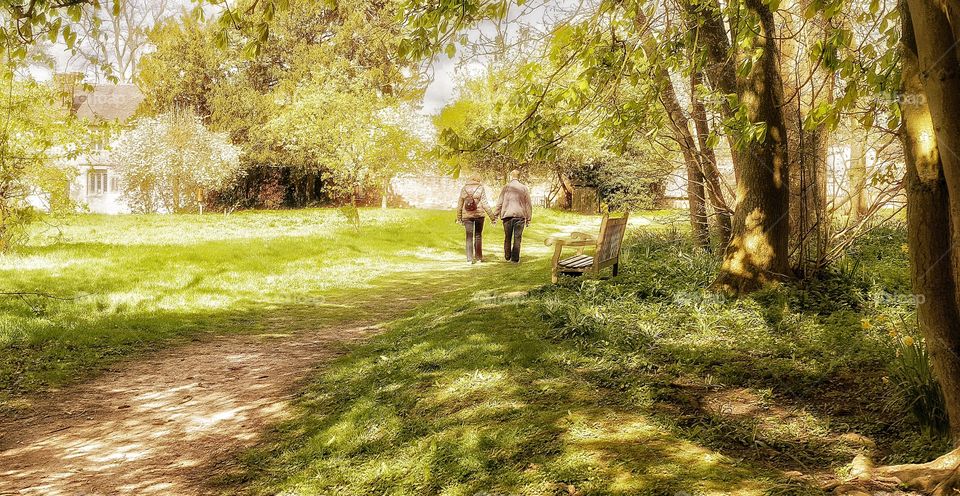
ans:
(572, 239)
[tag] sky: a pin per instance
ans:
(447, 72)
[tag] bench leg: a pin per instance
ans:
(616, 269)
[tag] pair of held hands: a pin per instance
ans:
(526, 224)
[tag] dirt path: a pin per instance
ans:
(164, 423)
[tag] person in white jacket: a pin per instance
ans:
(516, 210)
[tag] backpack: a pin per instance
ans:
(470, 204)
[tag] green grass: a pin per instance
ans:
(644, 384)
(589, 387)
(467, 397)
(141, 282)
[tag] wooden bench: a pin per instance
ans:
(606, 254)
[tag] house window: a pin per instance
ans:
(114, 187)
(96, 182)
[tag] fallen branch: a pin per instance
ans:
(40, 294)
(24, 297)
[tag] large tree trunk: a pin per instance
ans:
(932, 140)
(758, 251)
(930, 108)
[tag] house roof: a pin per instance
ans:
(108, 102)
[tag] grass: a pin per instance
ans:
(642, 384)
(467, 397)
(141, 282)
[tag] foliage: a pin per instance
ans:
(476, 133)
(171, 161)
(912, 375)
(347, 132)
(37, 135)
(332, 62)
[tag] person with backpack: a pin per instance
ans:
(470, 212)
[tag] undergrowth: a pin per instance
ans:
(810, 362)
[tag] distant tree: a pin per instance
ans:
(345, 51)
(348, 132)
(184, 69)
(33, 138)
(114, 38)
(170, 162)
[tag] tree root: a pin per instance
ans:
(940, 477)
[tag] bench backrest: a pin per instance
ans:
(611, 239)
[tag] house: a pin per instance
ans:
(108, 107)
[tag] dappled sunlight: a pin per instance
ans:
(637, 456)
(158, 277)
(749, 254)
(435, 406)
(160, 424)
(476, 382)
(51, 263)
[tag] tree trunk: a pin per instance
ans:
(386, 192)
(857, 179)
(680, 126)
(807, 147)
(176, 195)
(566, 202)
(758, 252)
(708, 159)
(930, 107)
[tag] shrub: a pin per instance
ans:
(919, 391)
(171, 162)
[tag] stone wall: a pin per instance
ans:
(442, 192)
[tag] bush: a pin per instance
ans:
(920, 393)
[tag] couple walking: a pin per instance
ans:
(513, 207)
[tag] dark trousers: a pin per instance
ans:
(474, 228)
(512, 236)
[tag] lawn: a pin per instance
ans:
(467, 397)
(489, 381)
(646, 384)
(134, 283)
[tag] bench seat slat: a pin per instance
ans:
(577, 262)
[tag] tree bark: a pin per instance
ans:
(807, 148)
(711, 172)
(386, 192)
(758, 252)
(930, 106)
(857, 179)
(680, 126)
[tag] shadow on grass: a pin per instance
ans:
(474, 402)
